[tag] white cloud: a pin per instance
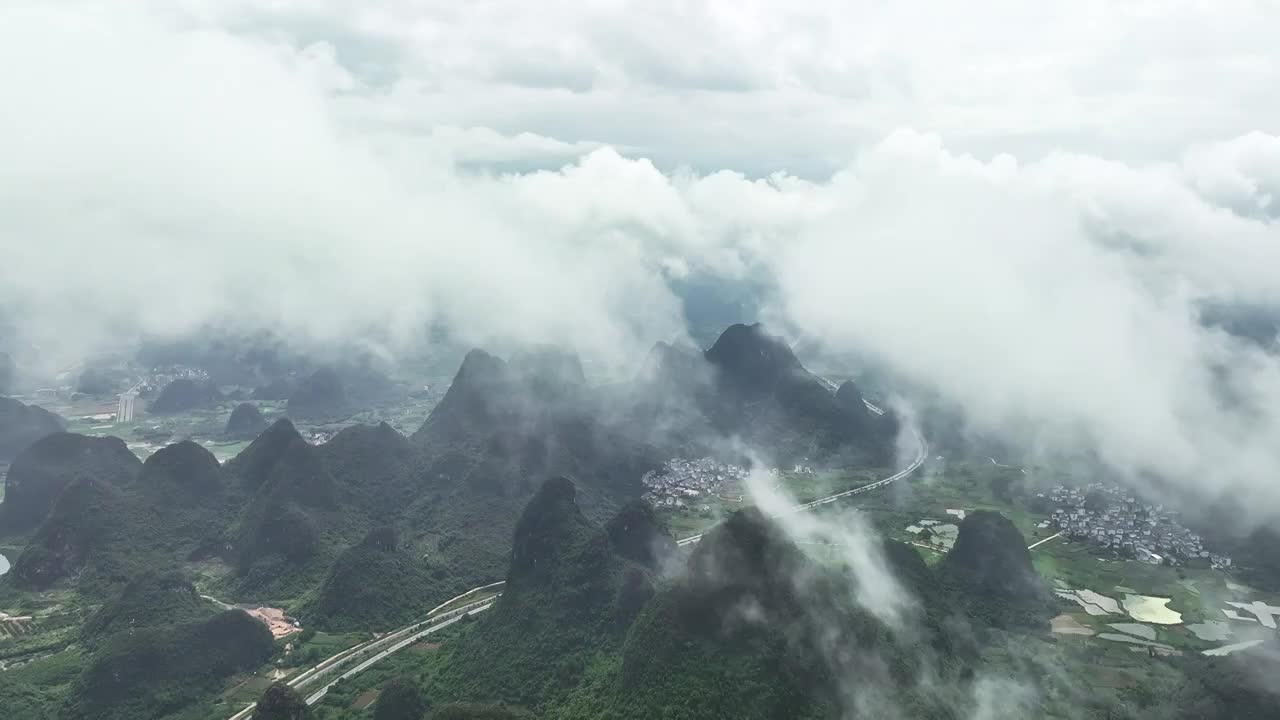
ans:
(1079, 178)
(1005, 287)
(762, 86)
(157, 177)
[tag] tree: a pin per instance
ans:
(281, 702)
(401, 699)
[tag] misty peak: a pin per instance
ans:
(245, 423)
(550, 532)
(479, 365)
(281, 459)
(21, 425)
(322, 395)
(849, 396)
(635, 533)
(548, 365)
(669, 363)
(184, 394)
(990, 561)
(279, 434)
(749, 355)
(747, 549)
(381, 436)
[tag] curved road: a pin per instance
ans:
(922, 452)
(370, 652)
(374, 650)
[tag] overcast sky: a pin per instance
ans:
(1022, 205)
(795, 86)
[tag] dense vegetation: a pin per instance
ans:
(470, 711)
(400, 699)
(281, 702)
(750, 384)
(746, 631)
(245, 423)
(152, 599)
(564, 600)
(989, 570)
(321, 395)
(184, 394)
(157, 647)
(370, 529)
(374, 585)
(183, 473)
(21, 425)
(43, 470)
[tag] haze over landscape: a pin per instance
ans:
(726, 344)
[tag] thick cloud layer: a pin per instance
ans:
(1059, 299)
(344, 170)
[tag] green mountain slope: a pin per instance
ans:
(374, 585)
(44, 469)
(21, 425)
(153, 671)
(565, 601)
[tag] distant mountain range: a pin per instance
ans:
(371, 528)
(283, 511)
(525, 471)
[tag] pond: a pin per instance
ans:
(1145, 608)
(4, 564)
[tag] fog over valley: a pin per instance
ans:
(874, 361)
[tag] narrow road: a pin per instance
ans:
(1034, 545)
(1007, 467)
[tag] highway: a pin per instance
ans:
(922, 452)
(443, 621)
(371, 652)
(368, 653)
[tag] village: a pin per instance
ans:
(682, 482)
(1111, 518)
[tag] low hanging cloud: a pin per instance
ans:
(166, 170)
(157, 179)
(1056, 302)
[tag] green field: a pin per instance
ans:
(733, 495)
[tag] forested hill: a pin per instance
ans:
(284, 511)
(21, 425)
(750, 385)
(745, 628)
(372, 528)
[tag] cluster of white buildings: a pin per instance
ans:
(320, 437)
(158, 377)
(683, 482)
(1109, 517)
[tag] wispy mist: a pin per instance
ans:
(167, 168)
